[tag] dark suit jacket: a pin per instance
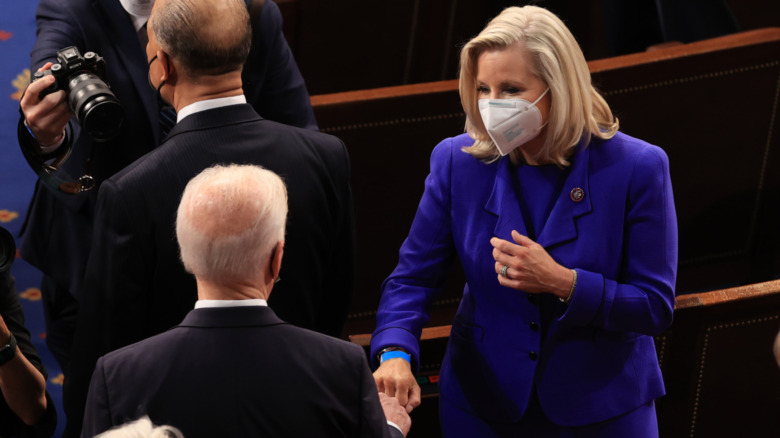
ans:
(239, 372)
(136, 286)
(58, 229)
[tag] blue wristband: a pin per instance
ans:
(395, 354)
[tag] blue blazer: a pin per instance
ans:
(597, 359)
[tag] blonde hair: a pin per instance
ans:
(577, 110)
(229, 221)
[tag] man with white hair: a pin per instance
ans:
(232, 367)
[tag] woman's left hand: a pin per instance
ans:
(529, 267)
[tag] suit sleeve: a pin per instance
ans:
(642, 299)
(97, 415)
(273, 84)
(372, 418)
(426, 257)
(114, 301)
(55, 30)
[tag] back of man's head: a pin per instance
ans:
(229, 222)
(207, 37)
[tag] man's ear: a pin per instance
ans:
(276, 259)
(169, 70)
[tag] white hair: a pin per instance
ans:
(142, 428)
(577, 110)
(229, 221)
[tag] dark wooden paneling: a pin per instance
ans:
(721, 377)
(712, 106)
(389, 134)
(353, 44)
(343, 45)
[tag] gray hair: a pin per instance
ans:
(142, 428)
(208, 37)
(229, 221)
(577, 110)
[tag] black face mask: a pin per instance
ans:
(160, 101)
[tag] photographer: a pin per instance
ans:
(25, 409)
(58, 231)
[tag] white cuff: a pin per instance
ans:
(50, 148)
(395, 426)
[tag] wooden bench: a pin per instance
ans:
(712, 105)
(389, 133)
(720, 374)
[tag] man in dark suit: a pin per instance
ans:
(58, 229)
(232, 367)
(135, 285)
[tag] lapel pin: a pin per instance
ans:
(577, 194)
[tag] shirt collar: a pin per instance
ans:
(204, 105)
(202, 304)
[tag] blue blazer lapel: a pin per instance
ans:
(503, 203)
(561, 224)
(132, 57)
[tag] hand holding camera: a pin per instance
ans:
(46, 115)
(79, 81)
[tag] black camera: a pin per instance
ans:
(89, 96)
(7, 250)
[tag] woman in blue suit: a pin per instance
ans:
(566, 230)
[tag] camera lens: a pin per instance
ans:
(95, 105)
(7, 250)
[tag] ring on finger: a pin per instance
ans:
(503, 271)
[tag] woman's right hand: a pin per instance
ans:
(394, 377)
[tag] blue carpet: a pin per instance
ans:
(17, 35)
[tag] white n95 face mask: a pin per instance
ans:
(511, 122)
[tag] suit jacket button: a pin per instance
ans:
(534, 326)
(532, 355)
(532, 298)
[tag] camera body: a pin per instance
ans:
(83, 78)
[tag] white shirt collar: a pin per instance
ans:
(138, 10)
(204, 105)
(202, 304)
